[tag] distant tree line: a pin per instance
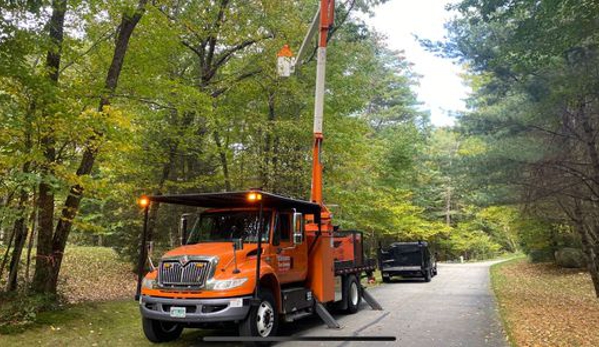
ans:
(533, 69)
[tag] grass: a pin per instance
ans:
(98, 309)
(543, 305)
(88, 274)
(115, 323)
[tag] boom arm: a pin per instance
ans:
(321, 24)
(327, 10)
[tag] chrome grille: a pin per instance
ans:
(173, 273)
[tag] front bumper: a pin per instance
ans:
(196, 310)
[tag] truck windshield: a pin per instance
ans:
(228, 226)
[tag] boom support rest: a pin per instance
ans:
(326, 317)
(371, 301)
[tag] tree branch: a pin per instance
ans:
(239, 78)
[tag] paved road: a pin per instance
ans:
(456, 308)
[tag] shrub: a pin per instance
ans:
(17, 311)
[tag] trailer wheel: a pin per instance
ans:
(262, 321)
(353, 294)
(159, 331)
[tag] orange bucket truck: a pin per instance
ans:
(252, 258)
(288, 245)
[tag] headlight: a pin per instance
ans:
(225, 284)
(148, 283)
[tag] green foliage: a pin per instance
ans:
(473, 243)
(535, 109)
(199, 108)
(18, 312)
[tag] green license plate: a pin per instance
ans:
(178, 312)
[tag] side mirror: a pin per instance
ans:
(183, 227)
(298, 228)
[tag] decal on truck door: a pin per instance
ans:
(284, 262)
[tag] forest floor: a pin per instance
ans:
(543, 305)
(91, 274)
(88, 274)
(97, 288)
(95, 274)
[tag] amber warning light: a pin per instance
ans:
(254, 197)
(143, 201)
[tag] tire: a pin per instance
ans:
(387, 278)
(353, 294)
(427, 276)
(159, 331)
(255, 327)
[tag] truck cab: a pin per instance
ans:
(231, 241)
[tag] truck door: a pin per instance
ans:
(291, 260)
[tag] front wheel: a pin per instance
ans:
(427, 276)
(262, 320)
(159, 331)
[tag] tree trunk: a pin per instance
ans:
(5, 257)
(31, 238)
(265, 170)
(448, 206)
(587, 244)
(166, 172)
(20, 232)
(592, 261)
(5, 203)
(223, 160)
(44, 259)
(45, 202)
(49, 267)
(590, 244)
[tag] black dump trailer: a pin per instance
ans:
(408, 260)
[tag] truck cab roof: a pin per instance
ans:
(239, 200)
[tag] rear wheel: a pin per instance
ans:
(262, 321)
(160, 331)
(353, 294)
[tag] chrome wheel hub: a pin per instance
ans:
(353, 293)
(265, 319)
